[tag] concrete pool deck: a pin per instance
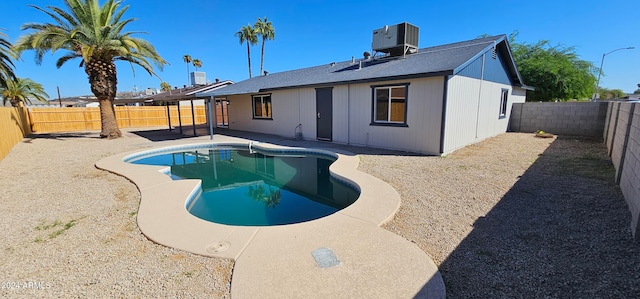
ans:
(277, 261)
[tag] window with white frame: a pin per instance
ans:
(262, 106)
(390, 104)
(504, 97)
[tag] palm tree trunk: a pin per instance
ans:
(249, 58)
(14, 102)
(108, 120)
(103, 80)
(261, 58)
(188, 74)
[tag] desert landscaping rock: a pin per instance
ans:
(512, 216)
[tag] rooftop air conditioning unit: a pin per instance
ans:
(396, 40)
(198, 78)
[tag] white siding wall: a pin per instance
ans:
(307, 99)
(473, 108)
(424, 110)
(462, 98)
(351, 116)
(341, 114)
(239, 111)
(286, 114)
(518, 95)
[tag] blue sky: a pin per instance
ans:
(315, 32)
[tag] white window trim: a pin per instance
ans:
(375, 106)
(504, 103)
(253, 105)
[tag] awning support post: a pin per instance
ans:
(210, 119)
(179, 116)
(193, 119)
(168, 116)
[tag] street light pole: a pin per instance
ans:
(600, 69)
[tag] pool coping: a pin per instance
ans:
(163, 218)
(372, 262)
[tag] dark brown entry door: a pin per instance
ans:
(324, 113)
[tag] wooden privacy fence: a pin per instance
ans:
(14, 125)
(82, 119)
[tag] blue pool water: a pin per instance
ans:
(249, 188)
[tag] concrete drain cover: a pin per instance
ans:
(218, 247)
(325, 258)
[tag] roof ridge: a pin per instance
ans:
(467, 43)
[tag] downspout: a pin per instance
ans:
(480, 96)
(444, 113)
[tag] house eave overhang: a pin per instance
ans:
(178, 98)
(527, 87)
(364, 80)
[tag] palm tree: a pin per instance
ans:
(23, 90)
(197, 63)
(187, 59)
(164, 86)
(248, 34)
(94, 34)
(6, 65)
(266, 31)
(270, 196)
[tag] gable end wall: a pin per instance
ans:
(493, 70)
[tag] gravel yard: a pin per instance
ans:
(512, 216)
(518, 217)
(70, 229)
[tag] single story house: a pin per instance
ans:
(431, 101)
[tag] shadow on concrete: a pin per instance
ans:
(561, 231)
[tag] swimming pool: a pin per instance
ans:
(253, 187)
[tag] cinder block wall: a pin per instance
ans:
(617, 122)
(622, 137)
(574, 118)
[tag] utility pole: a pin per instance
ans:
(59, 99)
(600, 71)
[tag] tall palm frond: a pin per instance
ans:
(6, 63)
(265, 29)
(164, 86)
(197, 63)
(249, 35)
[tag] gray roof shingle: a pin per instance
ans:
(432, 61)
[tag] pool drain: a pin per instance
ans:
(325, 258)
(218, 247)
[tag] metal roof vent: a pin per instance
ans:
(396, 40)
